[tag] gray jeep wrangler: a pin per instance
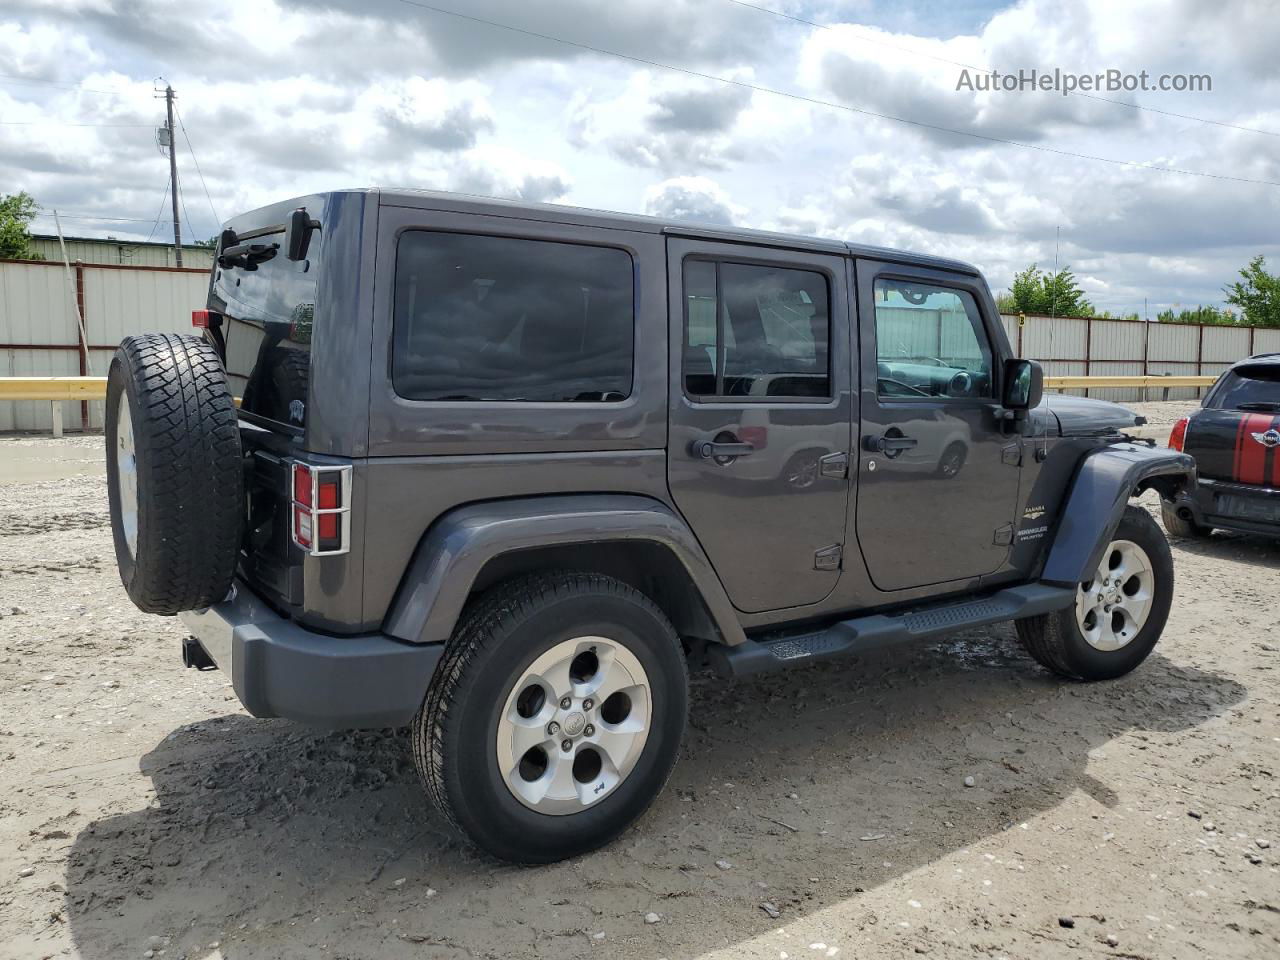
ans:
(503, 473)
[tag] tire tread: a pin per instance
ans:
(190, 484)
(483, 625)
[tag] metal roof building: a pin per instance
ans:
(134, 253)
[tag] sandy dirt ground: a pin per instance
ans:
(144, 814)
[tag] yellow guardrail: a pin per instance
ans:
(58, 389)
(1097, 383)
(53, 388)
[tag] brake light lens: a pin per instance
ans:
(1178, 435)
(320, 510)
(200, 318)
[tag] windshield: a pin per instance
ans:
(269, 307)
(1248, 386)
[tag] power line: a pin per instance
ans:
(190, 149)
(34, 81)
(94, 216)
(160, 213)
(182, 199)
(67, 123)
(969, 66)
(758, 88)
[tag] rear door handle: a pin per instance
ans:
(888, 445)
(716, 449)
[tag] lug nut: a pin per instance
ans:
(588, 703)
(589, 731)
(566, 745)
(565, 703)
(553, 728)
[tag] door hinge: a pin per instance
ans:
(1012, 454)
(828, 558)
(834, 465)
(1003, 535)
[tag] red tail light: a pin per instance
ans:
(200, 318)
(320, 511)
(1178, 435)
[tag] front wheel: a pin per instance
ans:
(1119, 612)
(555, 716)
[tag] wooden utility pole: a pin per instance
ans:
(173, 176)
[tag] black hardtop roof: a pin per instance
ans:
(464, 203)
(1258, 360)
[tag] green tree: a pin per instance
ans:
(1258, 296)
(1207, 315)
(1053, 294)
(17, 210)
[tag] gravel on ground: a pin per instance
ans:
(951, 800)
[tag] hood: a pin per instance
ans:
(1084, 416)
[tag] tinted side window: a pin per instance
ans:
(497, 318)
(1258, 386)
(930, 342)
(753, 331)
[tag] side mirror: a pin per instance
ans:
(1023, 384)
(297, 234)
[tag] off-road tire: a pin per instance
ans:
(1177, 527)
(189, 474)
(500, 635)
(1055, 641)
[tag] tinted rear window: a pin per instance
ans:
(499, 318)
(269, 308)
(1251, 384)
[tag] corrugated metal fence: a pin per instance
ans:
(38, 335)
(1078, 347)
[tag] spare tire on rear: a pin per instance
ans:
(174, 474)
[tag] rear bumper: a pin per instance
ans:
(279, 669)
(1202, 501)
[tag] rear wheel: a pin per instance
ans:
(173, 472)
(1119, 612)
(555, 717)
(1179, 527)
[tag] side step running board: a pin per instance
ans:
(885, 629)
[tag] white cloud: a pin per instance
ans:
(290, 96)
(691, 198)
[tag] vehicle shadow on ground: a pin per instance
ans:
(274, 841)
(1249, 548)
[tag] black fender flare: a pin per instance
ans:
(1103, 484)
(455, 549)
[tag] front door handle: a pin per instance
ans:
(890, 446)
(720, 449)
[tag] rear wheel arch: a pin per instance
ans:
(648, 566)
(638, 540)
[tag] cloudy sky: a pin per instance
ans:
(663, 107)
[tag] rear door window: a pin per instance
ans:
(269, 311)
(484, 318)
(755, 332)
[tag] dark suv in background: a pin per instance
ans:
(505, 472)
